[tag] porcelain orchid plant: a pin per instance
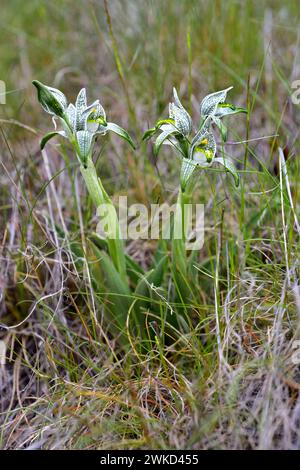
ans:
(196, 150)
(80, 124)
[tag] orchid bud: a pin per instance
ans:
(52, 100)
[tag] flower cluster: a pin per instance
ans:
(198, 150)
(81, 122)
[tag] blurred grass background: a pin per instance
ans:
(68, 44)
(61, 386)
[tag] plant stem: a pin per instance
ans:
(179, 257)
(100, 197)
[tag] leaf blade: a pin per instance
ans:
(229, 166)
(49, 136)
(111, 126)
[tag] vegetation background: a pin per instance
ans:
(231, 382)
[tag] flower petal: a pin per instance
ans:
(94, 116)
(183, 121)
(205, 147)
(71, 115)
(81, 103)
(187, 168)
(210, 102)
(80, 106)
(84, 139)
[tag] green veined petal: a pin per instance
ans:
(81, 103)
(84, 139)
(80, 106)
(187, 168)
(182, 119)
(71, 116)
(180, 116)
(210, 102)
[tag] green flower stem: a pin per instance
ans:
(99, 196)
(184, 146)
(179, 257)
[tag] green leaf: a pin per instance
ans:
(162, 122)
(183, 284)
(226, 109)
(118, 292)
(161, 251)
(157, 273)
(121, 132)
(229, 166)
(49, 136)
(153, 277)
(222, 128)
(133, 269)
(179, 270)
(149, 133)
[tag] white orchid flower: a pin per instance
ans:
(81, 122)
(200, 151)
